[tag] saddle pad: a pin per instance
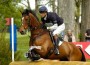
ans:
(60, 42)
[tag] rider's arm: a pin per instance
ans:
(53, 27)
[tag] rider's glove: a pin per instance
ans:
(48, 28)
(52, 27)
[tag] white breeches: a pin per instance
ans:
(59, 29)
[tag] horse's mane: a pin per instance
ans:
(27, 11)
(33, 12)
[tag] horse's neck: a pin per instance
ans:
(38, 32)
(33, 21)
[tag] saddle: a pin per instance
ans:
(52, 38)
(56, 42)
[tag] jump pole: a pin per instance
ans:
(12, 35)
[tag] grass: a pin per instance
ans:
(22, 44)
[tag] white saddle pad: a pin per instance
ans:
(60, 42)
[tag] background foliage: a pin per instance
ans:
(69, 10)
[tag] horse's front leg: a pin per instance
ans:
(32, 54)
(35, 47)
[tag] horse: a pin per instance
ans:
(42, 45)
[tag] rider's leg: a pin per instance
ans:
(56, 41)
(55, 34)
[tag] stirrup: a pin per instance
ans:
(56, 51)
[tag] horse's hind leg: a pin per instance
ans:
(75, 58)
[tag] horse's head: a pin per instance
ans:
(24, 26)
(28, 19)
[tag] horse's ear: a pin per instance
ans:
(25, 12)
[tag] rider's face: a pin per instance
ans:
(43, 14)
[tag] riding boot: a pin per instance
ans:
(56, 46)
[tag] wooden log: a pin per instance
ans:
(49, 62)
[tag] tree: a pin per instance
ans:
(52, 4)
(8, 8)
(77, 18)
(85, 17)
(28, 4)
(36, 6)
(66, 9)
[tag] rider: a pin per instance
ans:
(58, 24)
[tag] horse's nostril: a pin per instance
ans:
(22, 32)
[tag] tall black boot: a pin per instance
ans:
(56, 46)
(55, 43)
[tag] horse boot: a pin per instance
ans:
(56, 41)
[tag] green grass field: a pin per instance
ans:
(22, 44)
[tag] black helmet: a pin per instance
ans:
(43, 9)
(25, 12)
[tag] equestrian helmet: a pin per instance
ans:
(43, 9)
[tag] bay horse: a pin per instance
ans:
(41, 43)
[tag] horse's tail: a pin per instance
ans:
(83, 56)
